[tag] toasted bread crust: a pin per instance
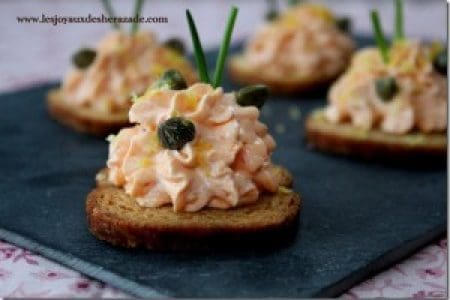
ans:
(242, 75)
(348, 140)
(82, 119)
(115, 217)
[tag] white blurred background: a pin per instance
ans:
(31, 53)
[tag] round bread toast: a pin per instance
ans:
(115, 217)
(242, 74)
(349, 140)
(84, 119)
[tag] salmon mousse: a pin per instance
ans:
(391, 101)
(96, 93)
(305, 47)
(195, 169)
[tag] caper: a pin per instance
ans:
(172, 80)
(84, 57)
(253, 95)
(344, 24)
(175, 132)
(386, 88)
(271, 15)
(440, 62)
(175, 44)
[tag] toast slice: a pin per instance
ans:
(349, 140)
(241, 73)
(84, 120)
(115, 217)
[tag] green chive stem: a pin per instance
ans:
(138, 4)
(399, 29)
(293, 2)
(107, 6)
(198, 50)
(272, 4)
(220, 63)
(379, 36)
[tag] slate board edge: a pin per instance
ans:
(82, 266)
(383, 262)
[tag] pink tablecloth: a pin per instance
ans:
(24, 274)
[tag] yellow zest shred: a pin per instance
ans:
(290, 21)
(284, 190)
(321, 12)
(134, 97)
(200, 151)
(110, 138)
(416, 139)
(435, 48)
(190, 101)
(145, 162)
(174, 57)
(153, 145)
(291, 18)
(157, 69)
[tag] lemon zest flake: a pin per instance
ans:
(153, 145)
(284, 190)
(157, 69)
(190, 101)
(201, 148)
(174, 57)
(110, 138)
(134, 97)
(145, 162)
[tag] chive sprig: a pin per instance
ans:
(379, 35)
(198, 50)
(137, 11)
(272, 11)
(223, 52)
(110, 11)
(138, 4)
(399, 33)
(293, 2)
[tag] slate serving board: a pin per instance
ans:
(358, 217)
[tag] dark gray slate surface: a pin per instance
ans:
(358, 217)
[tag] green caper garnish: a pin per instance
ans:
(440, 62)
(175, 44)
(253, 95)
(84, 57)
(175, 132)
(344, 24)
(386, 88)
(171, 80)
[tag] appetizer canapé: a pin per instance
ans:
(392, 101)
(195, 170)
(303, 48)
(96, 93)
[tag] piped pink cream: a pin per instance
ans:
(226, 165)
(304, 43)
(420, 103)
(124, 64)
